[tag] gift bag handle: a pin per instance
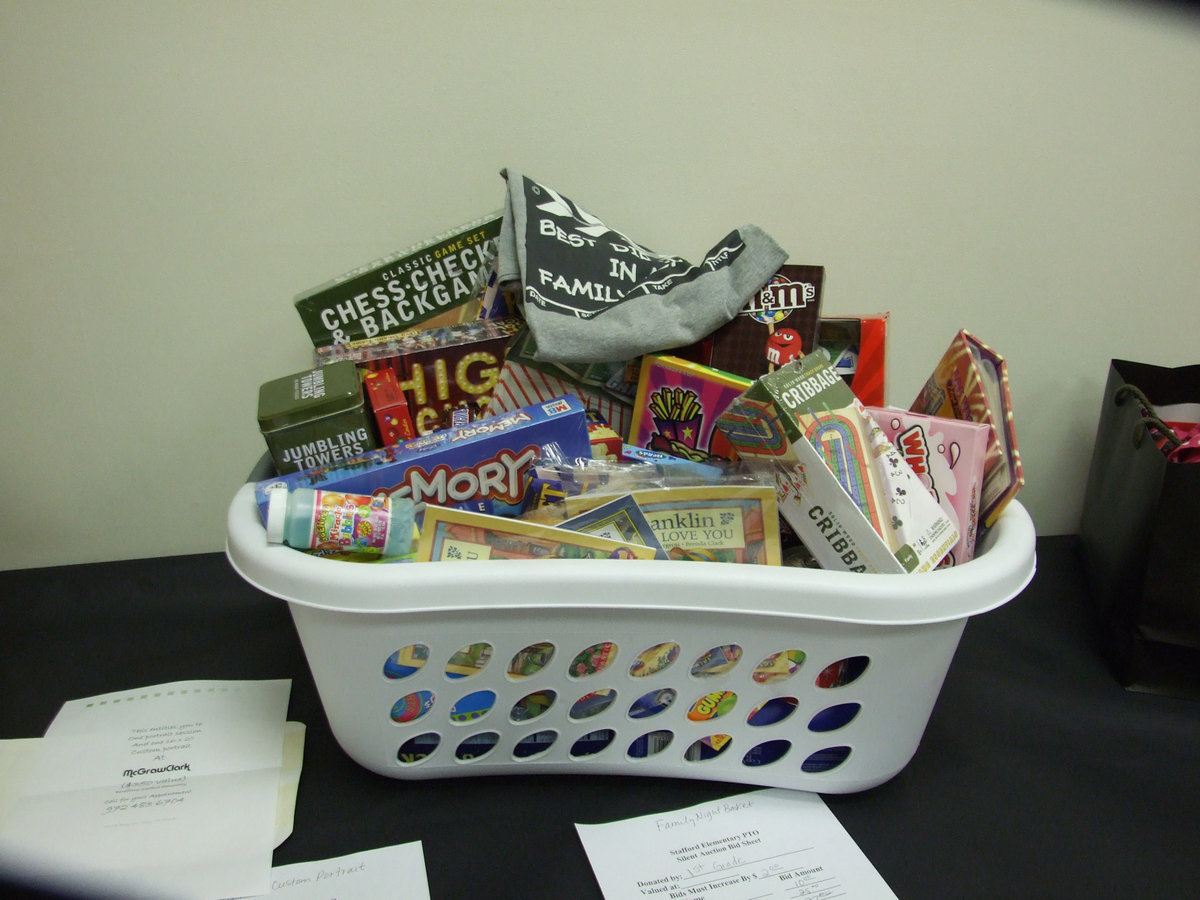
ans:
(1149, 419)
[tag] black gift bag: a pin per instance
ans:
(1140, 532)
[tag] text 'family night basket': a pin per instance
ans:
(764, 675)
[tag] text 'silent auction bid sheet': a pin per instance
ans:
(765, 844)
(167, 791)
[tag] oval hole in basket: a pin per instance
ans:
(418, 748)
(834, 717)
(843, 672)
(476, 746)
(654, 659)
(412, 706)
(712, 706)
(531, 660)
(533, 744)
(766, 753)
(708, 747)
(778, 666)
(592, 743)
(473, 706)
(406, 661)
(652, 703)
(717, 661)
(531, 706)
(824, 760)
(469, 660)
(593, 659)
(650, 743)
(771, 711)
(592, 704)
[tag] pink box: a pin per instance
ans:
(947, 455)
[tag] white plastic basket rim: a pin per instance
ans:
(1004, 564)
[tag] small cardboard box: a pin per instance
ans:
(841, 485)
(947, 455)
(677, 407)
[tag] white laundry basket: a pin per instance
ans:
(795, 678)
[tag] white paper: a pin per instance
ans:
(397, 871)
(764, 844)
(169, 790)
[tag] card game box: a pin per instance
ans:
(393, 423)
(405, 290)
(841, 485)
(947, 455)
(480, 466)
(677, 406)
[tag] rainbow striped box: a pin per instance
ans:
(843, 487)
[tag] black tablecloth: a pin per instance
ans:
(1038, 775)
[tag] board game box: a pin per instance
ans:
(841, 485)
(402, 291)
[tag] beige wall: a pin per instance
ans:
(171, 174)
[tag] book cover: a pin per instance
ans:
(840, 484)
(947, 455)
(713, 523)
(402, 291)
(458, 534)
(970, 382)
(677, 406)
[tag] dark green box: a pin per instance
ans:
(315, 418)
(402, 291)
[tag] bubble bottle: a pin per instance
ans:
(334, 521)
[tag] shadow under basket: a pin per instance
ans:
(781, 677)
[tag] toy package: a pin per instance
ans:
(971, 382)
(386, 399)
(677, 407)
(457, 534)
(947, 455)
(856, 347)
(481, 465)
(440, 370)
(405, 290)
(841, 485)
(777, 325)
